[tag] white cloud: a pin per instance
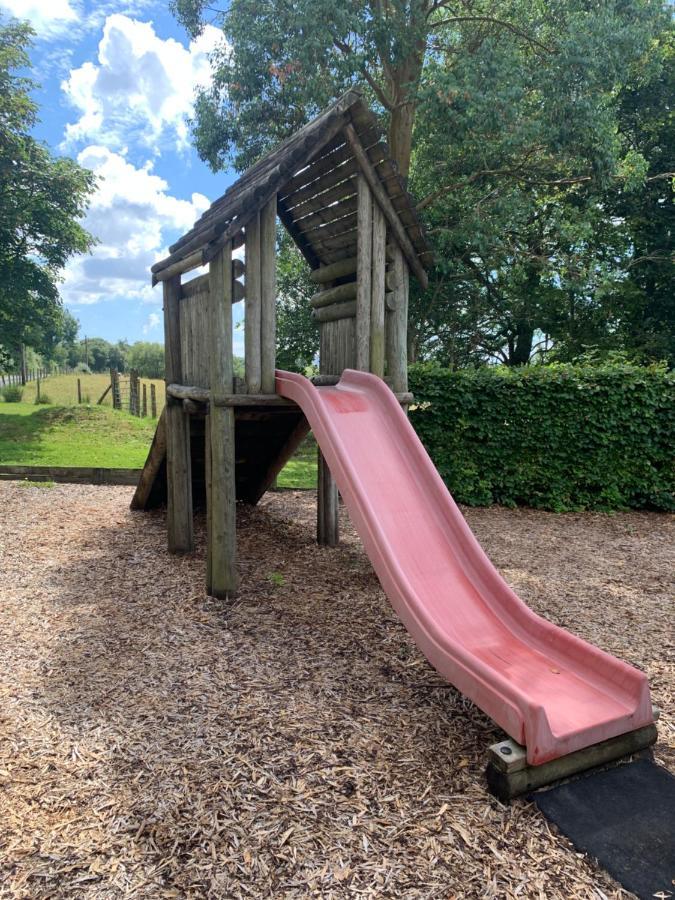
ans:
(152, 322)
(141, 88)
(129, 214)
(49, 18)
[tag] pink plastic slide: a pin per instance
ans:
(548, 689)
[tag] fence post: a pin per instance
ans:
(79, 391)
(145, 400)
(153, 401)
(37, 395)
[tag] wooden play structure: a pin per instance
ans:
(338, 193)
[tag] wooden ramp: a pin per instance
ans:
(265, 439)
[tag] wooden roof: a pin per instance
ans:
(313, 175)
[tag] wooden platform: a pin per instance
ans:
(265, 439)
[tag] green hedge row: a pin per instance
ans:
(553, 437)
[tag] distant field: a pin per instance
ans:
(63, 433)
(62, 390)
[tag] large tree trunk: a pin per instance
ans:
(400, 136)
(522, 346)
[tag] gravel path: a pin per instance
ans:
(157, 743)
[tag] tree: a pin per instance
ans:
(147, 359)
(297, 333)
(504, 114)
(42, 199)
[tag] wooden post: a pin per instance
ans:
(222, 502)
(268, 292)
(252, 308)
(364, 249)
(153, 401)
(144, 411)
(378, 288)
(327, 521)
(37, 394)
(178, 469)
(79, 391)
(397, 326)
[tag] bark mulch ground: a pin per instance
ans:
(294, 743)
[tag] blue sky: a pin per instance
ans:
(117, 82)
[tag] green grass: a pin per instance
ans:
(300, 470)
(90, 436)
(62, 390)
(64, 433)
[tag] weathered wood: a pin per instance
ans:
(70, 474)
(238, 268)
(327, 507)
(345, 310)
(377, 304)
(344, 187)
(98, 402)
(188, 392)
(253, 303)
(253, 400)
(509, 775)
(179, 267)
(333, 295)
(238, 291)
(221, 500)
(153, 462)
(194, 286)
(144, 406)
(178, 466)
(268, 295)
(153, 401)
(397, 327)
(323, 217)
(364, 272)
(79, 391)
(390, 213)
(193, 408)
(337, 346)
(335, 270)
(208, 487)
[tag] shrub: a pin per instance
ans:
(12, 393)
(82, 369)
(43, 398)
(554, 437)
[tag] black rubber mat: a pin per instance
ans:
(625, 818)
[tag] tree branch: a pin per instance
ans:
(491, 20)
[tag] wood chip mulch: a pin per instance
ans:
(292, 743)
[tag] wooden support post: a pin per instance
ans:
(37, 390)
(144, 409)
(397, 327)
(378, 288)
(268, 292)
(221, 499)
(364, 249)
(178, 469)
(79, 391)
(327, 508)
(153, 401)
(252, 308)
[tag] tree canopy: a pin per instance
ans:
(538, 137)
(42, 200)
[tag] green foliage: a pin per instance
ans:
(297, 333)
(558, 437)
(42, 201)
(43, 400)
(147, 359)
(12, 393)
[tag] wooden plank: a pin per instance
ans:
(327, 506)
(334, 270)
(344, 187)
(382, 198)
(194, 286)
(509, 775)
(364, 249)
(378, 288)
(178, 468)
(70, 474)
(253, 400)
(188, 392)
(179, 267)
(334, 295)
(397, 327)
(268, 294)
(221, 499)
(253, 302)
(346, 310)
(156, 456)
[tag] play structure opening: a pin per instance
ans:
(223, 439)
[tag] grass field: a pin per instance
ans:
(63, 433)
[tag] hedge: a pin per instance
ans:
(552, 437)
